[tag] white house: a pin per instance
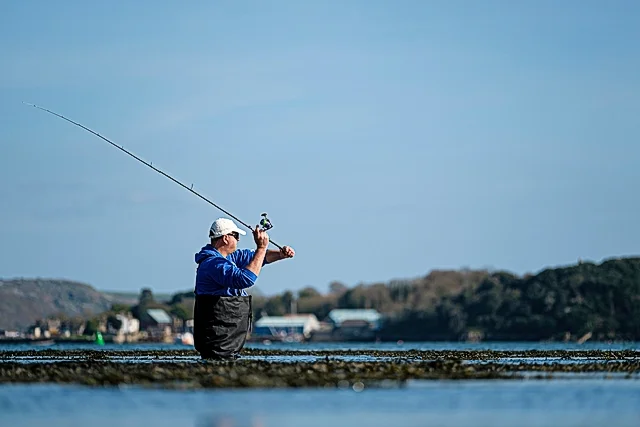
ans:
(129, 324)
(339, 316)
(296, 326)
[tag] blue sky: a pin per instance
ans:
(384, 139)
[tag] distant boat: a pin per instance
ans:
(184, 339)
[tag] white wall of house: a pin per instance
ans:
(129, 325)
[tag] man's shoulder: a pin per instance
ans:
(215, 259)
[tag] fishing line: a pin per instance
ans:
(265, 223)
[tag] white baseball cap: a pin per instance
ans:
(222, 226)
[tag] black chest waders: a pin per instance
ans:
(221, 324)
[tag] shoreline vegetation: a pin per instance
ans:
(328, 369)
(585, 301)
(577, 303)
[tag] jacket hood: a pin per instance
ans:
(206, 252)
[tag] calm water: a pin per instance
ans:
(576, 401)
(444, 403)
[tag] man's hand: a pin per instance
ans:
(260, 237)
(287, 252)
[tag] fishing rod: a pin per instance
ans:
(265, 223)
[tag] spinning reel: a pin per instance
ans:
(265, 223)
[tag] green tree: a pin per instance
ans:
(308, 292)
(181, 312)
(91, 327)
(120, 308)
(337, 288)
(114, 322)
(146, 297)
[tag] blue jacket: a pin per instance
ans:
(217, 275)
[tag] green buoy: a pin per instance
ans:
(99, 339)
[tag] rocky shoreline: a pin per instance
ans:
(281, 368)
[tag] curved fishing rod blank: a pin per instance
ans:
(149, 164)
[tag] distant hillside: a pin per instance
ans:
(23, 301)
(131, 298)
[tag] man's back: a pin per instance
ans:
(217, 275)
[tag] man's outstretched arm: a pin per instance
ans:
(277, 255)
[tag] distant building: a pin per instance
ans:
(295, 327)
(128, 325)
(9, 334)
(339, 316)
(159, 328)
(127, 330)
(159, 316)
(53, 326)
(354, 324)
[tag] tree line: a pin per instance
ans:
(601, 301)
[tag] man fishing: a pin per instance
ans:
(222, 313)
